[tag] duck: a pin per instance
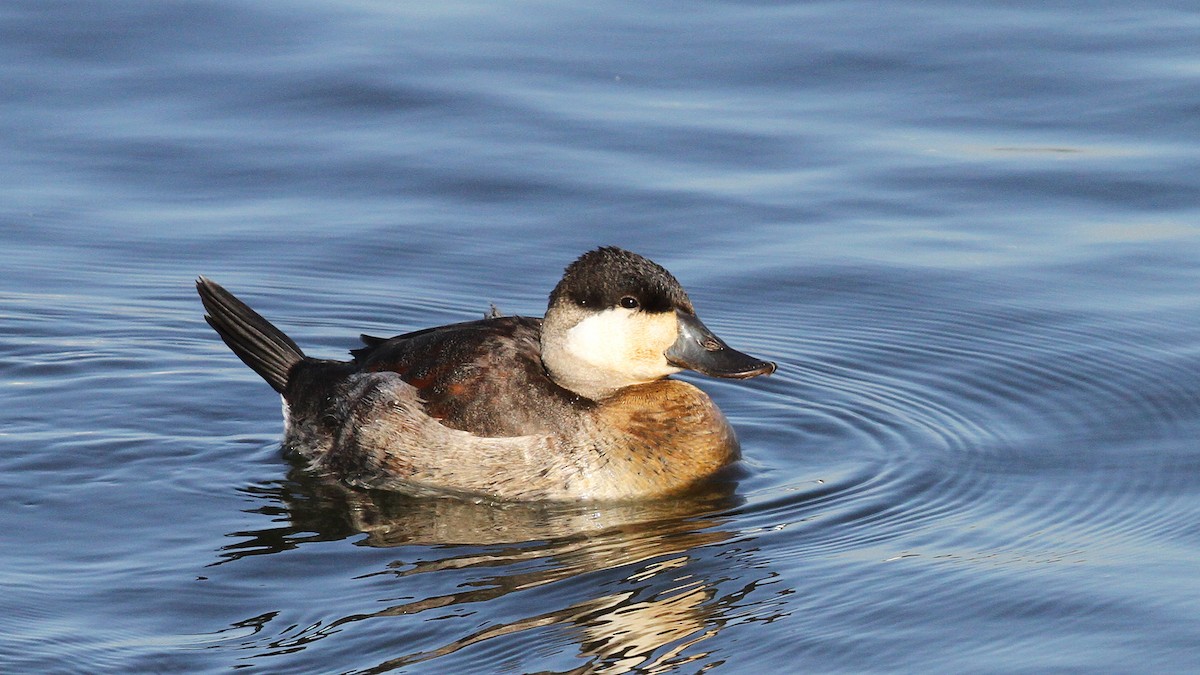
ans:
(578, 405)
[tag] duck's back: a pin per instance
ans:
(484, 377)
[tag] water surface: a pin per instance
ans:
(966, 232)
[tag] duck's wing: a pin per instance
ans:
(484, 377)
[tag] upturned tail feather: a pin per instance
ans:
(259, 344)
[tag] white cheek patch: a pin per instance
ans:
(601, 339)
(626, 342)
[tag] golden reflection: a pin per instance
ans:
(649, 609)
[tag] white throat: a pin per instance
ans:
(597, 353)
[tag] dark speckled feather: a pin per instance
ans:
(485, 377)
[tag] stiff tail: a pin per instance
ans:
(256, 342)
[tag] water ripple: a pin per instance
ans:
(939, 414)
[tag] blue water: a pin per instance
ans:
(969, 233)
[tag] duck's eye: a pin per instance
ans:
(629, 302)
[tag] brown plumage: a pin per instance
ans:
(576, 406)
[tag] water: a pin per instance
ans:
(966, 231)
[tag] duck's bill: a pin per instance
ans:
(698, 349)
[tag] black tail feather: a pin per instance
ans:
(256, 342)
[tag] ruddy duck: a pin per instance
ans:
(575, 406)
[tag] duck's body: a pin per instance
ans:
(576, 406)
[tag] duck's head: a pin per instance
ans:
(617, 319)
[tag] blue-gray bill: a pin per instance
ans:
(699, 349)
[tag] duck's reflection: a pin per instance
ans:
(640, 587)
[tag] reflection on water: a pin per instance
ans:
(660, 597)
(320, 509)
